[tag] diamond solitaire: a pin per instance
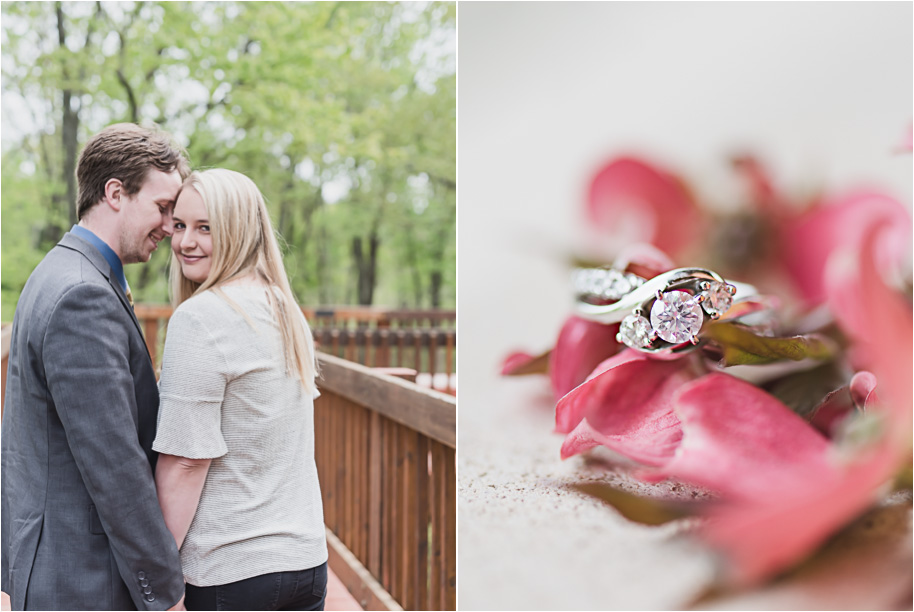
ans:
(676, 316)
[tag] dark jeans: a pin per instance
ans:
(304, 590)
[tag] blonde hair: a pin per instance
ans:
(244, 243)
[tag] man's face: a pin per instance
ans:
(148, 216)
(192, 242)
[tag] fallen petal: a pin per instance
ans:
(580, 347)
(627, 407)
(521, 364)
(742, 442)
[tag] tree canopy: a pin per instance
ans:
(344, 114)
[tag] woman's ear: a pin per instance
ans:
(114, 191)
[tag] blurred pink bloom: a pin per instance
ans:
(808, 241)
(789, 517)
(800, 237)
(765, 536)
(629, 189)
(877, 318)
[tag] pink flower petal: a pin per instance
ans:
(764, 196)
(889, 332)
(644, 260)
(569, 411)
(764, 538)
(832, 411)
(785, 491)
(863, 390)
(877, 318)
(580, 347)
(514, 361)
(840, 404)
(627, 188)
(627, 407)
(808, 242)
(652, 445)
(742, 442)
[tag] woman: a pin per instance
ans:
(236, 476)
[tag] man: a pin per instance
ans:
(82, 527)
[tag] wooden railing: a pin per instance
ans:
(423, 340)
(385, 452)
(372, 317)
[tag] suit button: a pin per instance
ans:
(150, 597)
(141, 575)
(144, 582)
(147, 590)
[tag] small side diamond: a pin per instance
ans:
(634, 280)
(583, 281)
(635, 331)
(717, 299)
(613, 285)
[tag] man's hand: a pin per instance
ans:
(179, 605)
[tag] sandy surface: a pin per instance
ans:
(527, 540)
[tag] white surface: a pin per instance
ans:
(821, 92)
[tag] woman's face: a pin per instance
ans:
(192, 241)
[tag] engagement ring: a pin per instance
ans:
(664, 315)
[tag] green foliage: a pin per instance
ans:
(344, 114)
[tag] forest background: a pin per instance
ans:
(344, 114)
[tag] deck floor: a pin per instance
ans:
(338, 598)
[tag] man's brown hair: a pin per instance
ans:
(127, 152)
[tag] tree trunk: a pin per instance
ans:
(412, 262)
(366, 267)
(435, 289)
(66, 203)
(69, 133)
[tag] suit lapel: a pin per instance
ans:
(98, 260)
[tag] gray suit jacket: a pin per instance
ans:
(81, 524)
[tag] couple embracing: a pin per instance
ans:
(202, 492)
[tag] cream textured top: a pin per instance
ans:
(225, 395)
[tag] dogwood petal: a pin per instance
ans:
(765, 537)
(569, 410)
(626, 405)
(807, 242)
(580, 347)
(521, 363)
(742, 442)
(652, 445)
(625, 188)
